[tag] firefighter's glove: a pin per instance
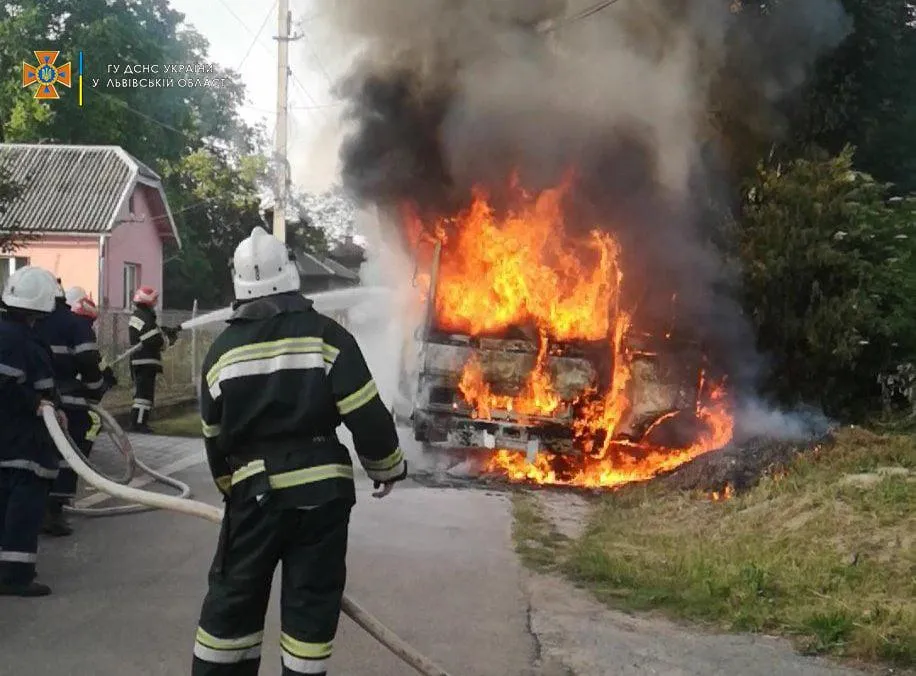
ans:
(383, 488)
(108, 377)
(171, 332)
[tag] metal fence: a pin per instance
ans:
(181, 362)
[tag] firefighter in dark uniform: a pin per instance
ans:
(28, 458)
(275, 386)
(79, 379)
(87, 312)
(146, 362)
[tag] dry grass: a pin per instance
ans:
(823, 553)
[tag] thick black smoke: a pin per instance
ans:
(639, 100)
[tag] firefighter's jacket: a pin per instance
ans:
(26, 377)
(75, 356)
(275, 386)
(145, 329)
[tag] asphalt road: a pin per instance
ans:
(436, 565)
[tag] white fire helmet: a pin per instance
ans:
(31, 289)
(74, 295)
(263, 266)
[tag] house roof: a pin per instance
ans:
(311, 266)
(341, 270)
(348, 250)
(77, 188)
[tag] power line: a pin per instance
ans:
(317, 58)
(320, 106)
(123, 104)
(256, 38)
(301, 86)
(237, 17)
(584, 14)
(179, 211)
(315, 105)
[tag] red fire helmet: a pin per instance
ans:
(146, 295)
(86, 307)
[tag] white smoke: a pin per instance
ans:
(755, 418)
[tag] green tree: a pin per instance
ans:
(217, 202)
(192, 136)
(829, 279)
(302, 234)
(863, 93)
(151, 123)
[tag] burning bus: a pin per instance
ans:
(528, 353)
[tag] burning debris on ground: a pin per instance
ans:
(580, 327)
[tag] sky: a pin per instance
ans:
(232, 29)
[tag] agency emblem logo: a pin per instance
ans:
(46, 75)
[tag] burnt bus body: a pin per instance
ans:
(664, 380)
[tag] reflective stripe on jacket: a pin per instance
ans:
(275, 386)
(144, 329)
(26, 377)
(74, 354)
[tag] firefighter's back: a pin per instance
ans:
(271, 373)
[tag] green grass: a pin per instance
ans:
(177, 381)
(536, 541)
(812, 554)
(181, 425)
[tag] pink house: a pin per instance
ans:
(98, 218)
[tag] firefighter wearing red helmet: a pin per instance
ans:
(146, 362)
(78, 373)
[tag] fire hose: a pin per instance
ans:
(122, 443)
(150, 500)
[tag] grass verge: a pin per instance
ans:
(824, 553)
(181, 425)
(537, 542)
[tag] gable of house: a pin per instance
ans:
(312, 267)
(78, 189)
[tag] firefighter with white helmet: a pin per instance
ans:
(146, 363)
(75, 294)
(28, 458)
(275, 386)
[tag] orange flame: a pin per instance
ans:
(500, 272)
(525, 269)
(727, 493)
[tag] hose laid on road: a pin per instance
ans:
(353, 610)
(122, 443)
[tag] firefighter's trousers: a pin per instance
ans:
(83, 427)
(144, 393)
(23, 495)
(256, 536)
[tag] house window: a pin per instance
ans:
(130, 204)
(9, 265)
(131, 282)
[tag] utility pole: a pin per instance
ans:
(284, 21)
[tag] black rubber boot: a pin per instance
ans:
(137, 426)
(141, 428)
(30, 590)
(55, 523)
